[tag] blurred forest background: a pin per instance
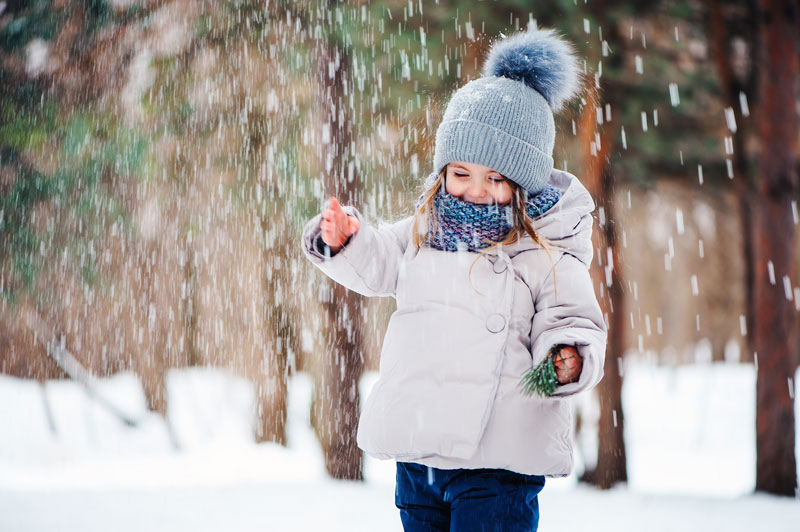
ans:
(158, 159)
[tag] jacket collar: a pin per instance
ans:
(567, 224)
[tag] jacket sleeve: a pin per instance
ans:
(369, 262)
(567, 312)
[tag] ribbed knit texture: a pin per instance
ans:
(504, 120)
(464, 226)
(502, 124)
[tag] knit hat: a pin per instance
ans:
(504, 120)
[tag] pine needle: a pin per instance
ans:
(541, 380)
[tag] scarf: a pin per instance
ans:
(464, 226)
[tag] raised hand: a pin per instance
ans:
(336, 225)
(568, 363)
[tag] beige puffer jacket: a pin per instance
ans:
(448, 394)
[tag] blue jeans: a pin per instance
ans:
(461, 500)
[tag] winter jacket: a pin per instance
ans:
(448, 393)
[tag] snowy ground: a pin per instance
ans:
(689, 432)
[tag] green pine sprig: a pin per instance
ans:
(542, 380)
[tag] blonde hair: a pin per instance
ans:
(522, 223)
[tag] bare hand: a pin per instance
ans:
(568, 363)
(337, 226)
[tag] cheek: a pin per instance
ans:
(504, 193)
(451, 187)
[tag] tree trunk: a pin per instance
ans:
(611, 459)
(775, 321)
(725, 24)
(273, 378)
(336, 398)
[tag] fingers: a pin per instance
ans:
(569, 364)
(566, 354)
(567, 376)
(569, 350)
(326, 226)
(327, 229)
(332, 215)
(336, 225)
(335, 209)
(567, 361)
(334, 212)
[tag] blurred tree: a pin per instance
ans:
(60, 157)
(611, 456)
(107, 212)
(757, 61)
(598, 142)
(664, 109)
(336, 394)
(775, 327)
(733, 36)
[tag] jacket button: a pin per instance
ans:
(499, 266)
(495, 323)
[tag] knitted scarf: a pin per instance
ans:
(464, 226)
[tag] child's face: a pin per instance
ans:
(477, 184)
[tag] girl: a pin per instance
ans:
(494, 301)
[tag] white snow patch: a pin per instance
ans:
(689, 433)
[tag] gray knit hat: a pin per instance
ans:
(504, 120)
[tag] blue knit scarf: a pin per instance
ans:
(461, 225)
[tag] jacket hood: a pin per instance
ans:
(568, 223)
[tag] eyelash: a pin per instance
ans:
(496, 180)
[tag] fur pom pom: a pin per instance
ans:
(541, 59)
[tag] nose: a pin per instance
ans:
(477, 190)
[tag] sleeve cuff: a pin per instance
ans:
(315, 247)
(323, 250)
(591, 371)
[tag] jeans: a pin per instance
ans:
(466, 500)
